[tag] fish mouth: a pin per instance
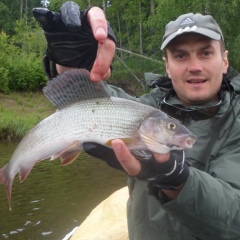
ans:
(190, 141)
(183, 142)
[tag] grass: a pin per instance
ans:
(20, 112)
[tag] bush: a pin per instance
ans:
(20, 70)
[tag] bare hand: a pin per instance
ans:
(106, 49)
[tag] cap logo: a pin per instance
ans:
(186, 29)
(187, 21)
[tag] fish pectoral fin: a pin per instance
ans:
(129, 142)
(69, 154)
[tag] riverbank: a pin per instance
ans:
(20, 111)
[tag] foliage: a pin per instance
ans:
(11, 11)
(21, 64)
(22, 45)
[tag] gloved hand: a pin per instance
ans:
(104, 153)
(166, 175)
(70, 39)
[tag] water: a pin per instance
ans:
(54, 199)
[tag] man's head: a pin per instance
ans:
(195, 57)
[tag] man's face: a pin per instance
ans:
(196, 64)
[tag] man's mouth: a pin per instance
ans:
(197, 81)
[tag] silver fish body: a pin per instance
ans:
(92, 117)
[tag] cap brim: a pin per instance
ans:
(203, 31)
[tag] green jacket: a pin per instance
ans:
(208, 207)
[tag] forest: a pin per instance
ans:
(138, 24)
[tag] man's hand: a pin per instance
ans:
(106, 48)
(78, 39)
(133, 167)
(167, 172)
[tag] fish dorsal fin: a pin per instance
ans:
(72, 86)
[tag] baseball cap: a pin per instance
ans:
(196, 23)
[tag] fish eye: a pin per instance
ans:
(171, 126)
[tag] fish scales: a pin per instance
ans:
(105, 119)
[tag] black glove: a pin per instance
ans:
(166, 175)
(104, 153)
(69, 36)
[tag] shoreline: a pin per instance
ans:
(21, 111)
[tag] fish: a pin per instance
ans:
(86, 112)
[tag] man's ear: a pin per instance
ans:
(225, 62)
(167, 67)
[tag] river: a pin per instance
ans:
(53, 200)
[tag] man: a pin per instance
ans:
(191, 194)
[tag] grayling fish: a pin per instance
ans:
(87, 113)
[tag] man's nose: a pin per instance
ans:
(194, 64)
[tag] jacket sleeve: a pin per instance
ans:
(209, 203)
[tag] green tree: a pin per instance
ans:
(14, 10)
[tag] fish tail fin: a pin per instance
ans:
(7, 181)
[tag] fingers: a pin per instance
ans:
(70, 15)
(101, 67)
(98, 22)
(127, 160)
(106, 48)
(45, 17)
(107, 75)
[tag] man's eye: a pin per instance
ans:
(180, 56)
(207, 54)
